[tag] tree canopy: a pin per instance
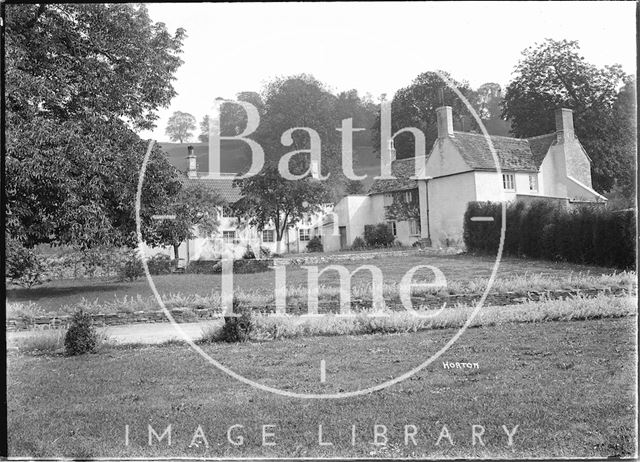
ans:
(268, 198)
(180, 126)
(553, 74)
(415, 106)
(80, 79)
(196, 213)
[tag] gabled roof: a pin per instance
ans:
(223, 187)
(514, 154)
(519, 154)
(540, 146)
(402, 169)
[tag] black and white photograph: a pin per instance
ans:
(320, 230)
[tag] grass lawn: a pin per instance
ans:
(570, 386)
(456, 268)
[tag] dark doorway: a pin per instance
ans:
(343, 237)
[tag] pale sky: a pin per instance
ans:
(376, 47)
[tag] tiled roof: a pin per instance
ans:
(519, 154)
(223, 187)
(402, 169)
(513, 153)
(540, 146)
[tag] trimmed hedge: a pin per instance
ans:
(239, 266)
(585, 234)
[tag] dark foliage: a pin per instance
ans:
(249, 254)
(160, 263)
(586, 234)
(131, 268)
(379, 235)
(358, 244)
(81, 337)
(22, 265)
(238, 328)
(315, 245)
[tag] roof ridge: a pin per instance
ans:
(492, 136)
(540, 136)
(408, 158)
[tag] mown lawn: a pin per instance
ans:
(455, 268)
(570, 386)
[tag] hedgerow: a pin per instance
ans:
(585, 234)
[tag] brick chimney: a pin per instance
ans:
(444, 117)
(564, 125)
(192, 169)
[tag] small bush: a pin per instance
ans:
(250, 266)
(315, 245)
(264, 252)
(81, 337)
(160, 263)
(23, 267)
(204, 267)
(358, 244)
(249, 254)
(131, 268)
(379, 235)
(238, 328)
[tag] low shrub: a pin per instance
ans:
(81, 337)
(160, 263)
(315, 245)
(379, 235)
(22, 266)
(251, 266)
(249, 254)
(358, 244)
(131, 267)
(204, 267)
(264, 252)
(238, 328)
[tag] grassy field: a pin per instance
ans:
(456, 268)
(569, 386)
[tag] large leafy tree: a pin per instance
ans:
(180, 126)
(80, 80)
(196, 213)
(415, 106)
(268, 198)
(363, 112)
(553, 74)
(233, 119)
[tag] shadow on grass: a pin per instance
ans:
(19, 294)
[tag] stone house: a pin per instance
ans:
(461, 168)
(427, 197)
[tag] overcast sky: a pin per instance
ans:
(376, 47)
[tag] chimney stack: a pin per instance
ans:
(192, 170)
(444, 117)
(564, 125)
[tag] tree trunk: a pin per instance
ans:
(176, 253)
(279, 246)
